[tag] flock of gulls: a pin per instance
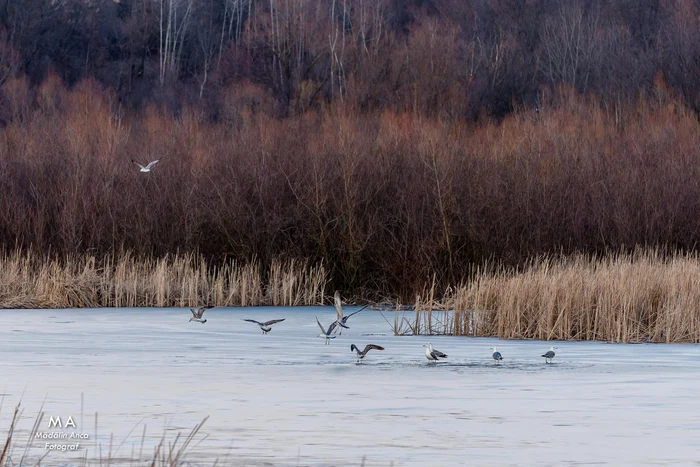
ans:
(340, 323)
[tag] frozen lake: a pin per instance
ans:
(287, 399)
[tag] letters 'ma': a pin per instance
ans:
(56, 422)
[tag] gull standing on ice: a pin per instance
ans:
(549, 355)
(148, 167)
(342, 320)
(197, 315)
(496, 354)
(433, 354)
(326, 334)
(361, 353)
(266, 325)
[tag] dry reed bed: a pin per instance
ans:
(31, 281)
(645, 296)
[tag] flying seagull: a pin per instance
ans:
(496, 354)
(326, 334)
(361, 353)
(432, 354)
(266, 325)
(148, 167)
(342, 320)
(549, 355)
(197, 315)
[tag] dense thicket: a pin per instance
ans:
(385, 199)
(395, 141)
(447, 58)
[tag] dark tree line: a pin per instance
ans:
(449, 58)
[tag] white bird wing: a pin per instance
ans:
(338, 305)
(152, 163)
(140, 166)
(320, 326)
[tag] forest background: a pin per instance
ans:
(392, 143)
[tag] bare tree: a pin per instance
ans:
(172, 33)
(207, 42)
(232, 22)
(337, 51)
(679, 50)
(569, 39)
(9, 58)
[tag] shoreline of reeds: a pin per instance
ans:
(645, 296)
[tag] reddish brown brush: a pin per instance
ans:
(385, 200)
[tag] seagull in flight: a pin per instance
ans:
(342, 320)
(266, 325)
(549, 355)
(361, 353)
(148, 167)
(326, 334)
(197, 315)
(433, 354)
(496, 354)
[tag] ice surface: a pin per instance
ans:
(285, 398)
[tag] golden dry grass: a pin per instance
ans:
(645, 296)
(32, 281)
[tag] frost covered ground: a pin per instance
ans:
(287, 399)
